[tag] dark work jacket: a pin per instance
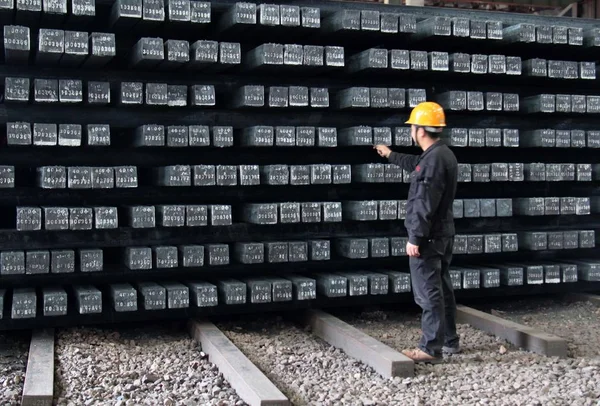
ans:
(432, 189)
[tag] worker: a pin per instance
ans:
(430, 225)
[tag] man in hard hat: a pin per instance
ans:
(430, 225)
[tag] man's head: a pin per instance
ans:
(427, 121)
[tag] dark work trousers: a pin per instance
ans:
(432, 289)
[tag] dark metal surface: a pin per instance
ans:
(209, 105)
(396, 300)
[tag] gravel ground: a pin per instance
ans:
(488, 372)
(577, 322)
(305, 368)
(153, 365)
(13, 362)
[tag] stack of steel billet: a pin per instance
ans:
(31, 218)
(549, 137)
(377, 60)
(128, 93)
(117, 209)
(64, 135)
(243, 16)
(485, 243)
(292, 212)
(459, 100)
(58, 47)
(253, 96)
(557, 240)
(558, 103)
(127, 14)
(483, 137)
(66, 218)
(494, 172)
(377, 247)
(172, 54)
(523, 274)
(379, 97)
(552, 206)
(555, 172)
(278, 56)
(537, 67)
(61, 261)
(86, 177)
(197, 294)
(193, 256)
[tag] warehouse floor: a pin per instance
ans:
(161, 365)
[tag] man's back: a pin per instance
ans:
(432, 191)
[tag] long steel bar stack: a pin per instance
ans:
(170, 158)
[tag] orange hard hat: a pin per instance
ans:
(427, 114)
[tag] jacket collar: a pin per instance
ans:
(431, 148)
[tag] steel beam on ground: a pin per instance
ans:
(382, 358)
(248, 381)
(522, 336)
(39, 377)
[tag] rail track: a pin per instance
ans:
(544, 351)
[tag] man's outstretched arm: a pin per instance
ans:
(408, 162)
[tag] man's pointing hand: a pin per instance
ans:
(383, 151)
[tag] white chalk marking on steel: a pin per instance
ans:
(39, 377)
(247, 380)
(382, 358)
(522, 336)
(585, 297)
